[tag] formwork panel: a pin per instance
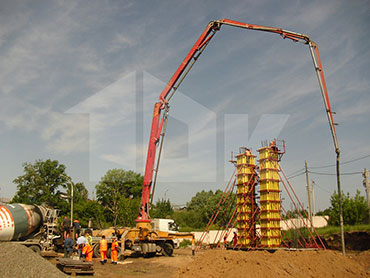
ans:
(267, 174)
(271, 242)
(246, 178)
(270, 224)
(269, 185)
(245, 170)
(242, 159)
(270, 215)
(268, 164)
(270, 196)
(244, 209)
(272, 233)
(270, 206)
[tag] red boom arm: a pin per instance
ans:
(181, 72)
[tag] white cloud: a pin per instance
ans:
(66, 134)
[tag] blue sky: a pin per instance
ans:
(79, 79)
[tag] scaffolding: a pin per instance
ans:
(255, 222)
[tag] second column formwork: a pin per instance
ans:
(246, 197)
(270, 196)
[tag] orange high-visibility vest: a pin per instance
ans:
(115, 246)
(103, 245)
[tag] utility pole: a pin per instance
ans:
(308, 195)
(313, 199)
(365, 174)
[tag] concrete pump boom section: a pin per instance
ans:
(159, 120)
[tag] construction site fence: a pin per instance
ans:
(214, 235)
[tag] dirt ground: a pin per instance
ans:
(222, 263)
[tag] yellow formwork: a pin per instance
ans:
(268, 164)
(244, 216)
(245, 179)
(270, 215)
(244, 199)
(244, 189)
(244, 242)
(245, 159)
(270, 233)
(245, 170)
(244, 209)
(270, 242)
(267, 153)
(269, 185)
(267, 174)
(272, 224)
(270, 196)
(270, 206)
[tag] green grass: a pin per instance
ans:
(347, 228)
(185, 243)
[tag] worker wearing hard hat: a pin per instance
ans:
(273, 146)
(114, 253)
(103, 250)
(88, 237)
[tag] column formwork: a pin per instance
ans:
(246, 197)
(269, 196)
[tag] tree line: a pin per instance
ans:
(118, 196)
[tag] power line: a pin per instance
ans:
(296, 172)
(322, 188)
(346, 162)
(331, 165)
(334, 174)
(299, 174)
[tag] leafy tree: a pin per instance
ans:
(201, 208)
(295, 214)
(128, 211)
(90, 209)
(355, 210)
(42, 182)
(162, 209)
(115, 185)
(323, 212)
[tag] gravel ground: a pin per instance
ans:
(17, 260)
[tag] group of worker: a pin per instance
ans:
(84, 244)
(104, 248)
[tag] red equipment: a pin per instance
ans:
(159, 124)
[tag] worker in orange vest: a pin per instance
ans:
(114, 254)
(235, 240)
(103, 250)
(87, 251)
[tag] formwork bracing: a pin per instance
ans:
(255, 222)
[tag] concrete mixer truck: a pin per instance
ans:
(30, 225)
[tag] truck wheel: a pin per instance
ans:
(109, 252)
(96, 250)
(35, 249)
(167, 249)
